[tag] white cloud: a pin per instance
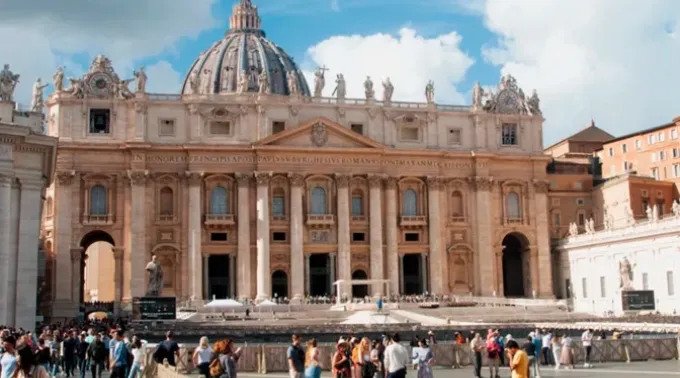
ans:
(163, 78)
(408, 59)
(614, 60)
(39, 36)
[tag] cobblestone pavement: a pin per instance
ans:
(657, 369)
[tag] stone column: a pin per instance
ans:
(264, 286)
(118, 277)
(484, 235)
(232, 276)
(543, 281)
(437, 261)
(195, 180)
(63, 226)
(331, 261)
(7, 253)
(423, 273)
(344, 249)
(297, 270)
(307, 275)
(392, 235)
(138, 256)
(243, 218)
(401, 276)
(76, 255)
(205, 279)
(375, 225)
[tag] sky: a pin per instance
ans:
(612, 61)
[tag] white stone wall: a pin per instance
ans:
(653, 249)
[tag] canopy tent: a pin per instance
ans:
(224, 303)
(267, 303)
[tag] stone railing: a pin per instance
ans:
(272, 357)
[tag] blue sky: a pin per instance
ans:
(611, 60)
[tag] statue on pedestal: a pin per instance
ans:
(155, 278)
(626, 274)
(8, 81)
(292, 82)
(58, 79)
(319, 80)
(676, 208)
(340, 88)
(573, 229)
(140, 86)
(37, 102)
(368, 88)
(429, 92)
(388, 90)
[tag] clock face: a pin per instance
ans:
(101, 84)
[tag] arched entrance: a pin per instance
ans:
(319, 274)
(218, 276)
(514, 257)
(359, 291)
(97, 268)
(412, 271)
(279, 284)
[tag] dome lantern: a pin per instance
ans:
(244, 17)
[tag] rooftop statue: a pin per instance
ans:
(8, 82)
(58, 79)
(429, 92)
(388, 90)
(477, 96)
(37, 102)
(263, 79)
(140, 84)
(319, 80)
(291, 77)
(368, 88)
(340, 88)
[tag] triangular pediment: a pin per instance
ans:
(319, 133)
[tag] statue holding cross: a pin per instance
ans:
(319, 80)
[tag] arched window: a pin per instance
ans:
(357, 203)
(167, 202)
(318, 200)
(218, 201)
(410, 206)
(512, 205)
(98, 200)
(279, 203)
(457, 204)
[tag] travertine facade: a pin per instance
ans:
(252, 185)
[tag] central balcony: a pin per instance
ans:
(413, 221)
(320, 220)
(98, 220)
(217, 221)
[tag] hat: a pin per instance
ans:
(341, 340)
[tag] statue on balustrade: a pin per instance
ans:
(626, 274)
(155, 278)
(676, 208)
(573, 229)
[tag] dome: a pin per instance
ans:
(245, 61)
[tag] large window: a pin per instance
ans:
(279, 203)
(357, 203)
(98, 200)
(670, 283)
(166, 202)
(318, 200)
(509, 134)
(512, 205)
(219, 204)
(457, 204)
(410, 205)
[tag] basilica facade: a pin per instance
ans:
(251, 184)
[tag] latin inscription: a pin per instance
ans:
(304, 160)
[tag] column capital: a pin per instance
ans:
(243, 179)
(392, 182)
(76, 254)
(194, 178)
(375, 181)
(65, 178)
(34, 183)
(263, 178)
(118, 253)
(482, 184)
(342, 179)
(333, 254)
(138, 178)
(296, 179)
(434, 182)
(541, 186)
(6, 180)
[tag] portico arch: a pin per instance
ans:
(359, 291)
(94, 263)
(515, 265)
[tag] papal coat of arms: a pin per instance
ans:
(319, 135)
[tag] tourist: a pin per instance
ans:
(396, 358)
(363, 368)
(296, 358)
(530, 349)
(312, 368)
(119, 356)
(546, 344)
(97, 355)
(423, 354)
(477, 346)
(431, 339)
(556, 350)
(81, 354)
(493, 352)
(8, 362)
(458, 341)
(26, 365)
(519, 361)
(138, 357)
(202, 356)
(341, 367)
(377, 358)
(69, 353)
(587, 342)
(43, 355)
(55, 351)
(170, 349)
(501, 344)
(227, 357)
(107, 340)
(567, 355)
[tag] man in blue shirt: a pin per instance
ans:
(8, 361)
(119, 356)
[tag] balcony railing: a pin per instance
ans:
(98, 220)
(413, 221)
(219, 220)
(513, 220)
(166, 218)
(458, 219)
(279, 218)
(320, 220)
(359, 218)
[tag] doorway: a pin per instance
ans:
(279, 284)
(359, 291)
(412, 271)
(319, 274)
(513, 266)
(218, 277)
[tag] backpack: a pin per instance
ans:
(160, 353)
(216, 368)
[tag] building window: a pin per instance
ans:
(412, 237)
(457, 204)
(98, 200)
(357, 203)
(676, 170)
(655, 173)
(645, 281)
(670, 283)
(279, 203)
(624, 148)
(278, 126)
(318, 200)
(409, 134)
(220, 128)
(625, 166)
(218, 201)
(557, 219)
(662, 155)
(278, 236)
(645, 205)
(166, 127)
(580, 202)
(166, 202)
(581, 218)
(409, 207)
(454, 137)
(603, 287)
(584, 287)
(674, 134)
(100, 121)
(357, 128)
(676, 153)
(662, 136)
(652, 139)
(509, 134)
(512, 205)
(638, 144)
(358, 237)
(611, 151)
(654, 157)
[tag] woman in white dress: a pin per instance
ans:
(557, 350)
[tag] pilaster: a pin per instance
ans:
(484, 280)
(76, 255)
(118, 258)
(375, 225)
(195, 180)
(392, 235)
(297, 272)
(7, 252)
(63, 226)
(263, 278)
(243, 218)
(138, 226)
(543, 256)
(344, 247)
(437, 256)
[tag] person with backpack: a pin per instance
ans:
(224, 360)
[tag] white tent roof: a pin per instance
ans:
(267, 303)
(223, 303)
